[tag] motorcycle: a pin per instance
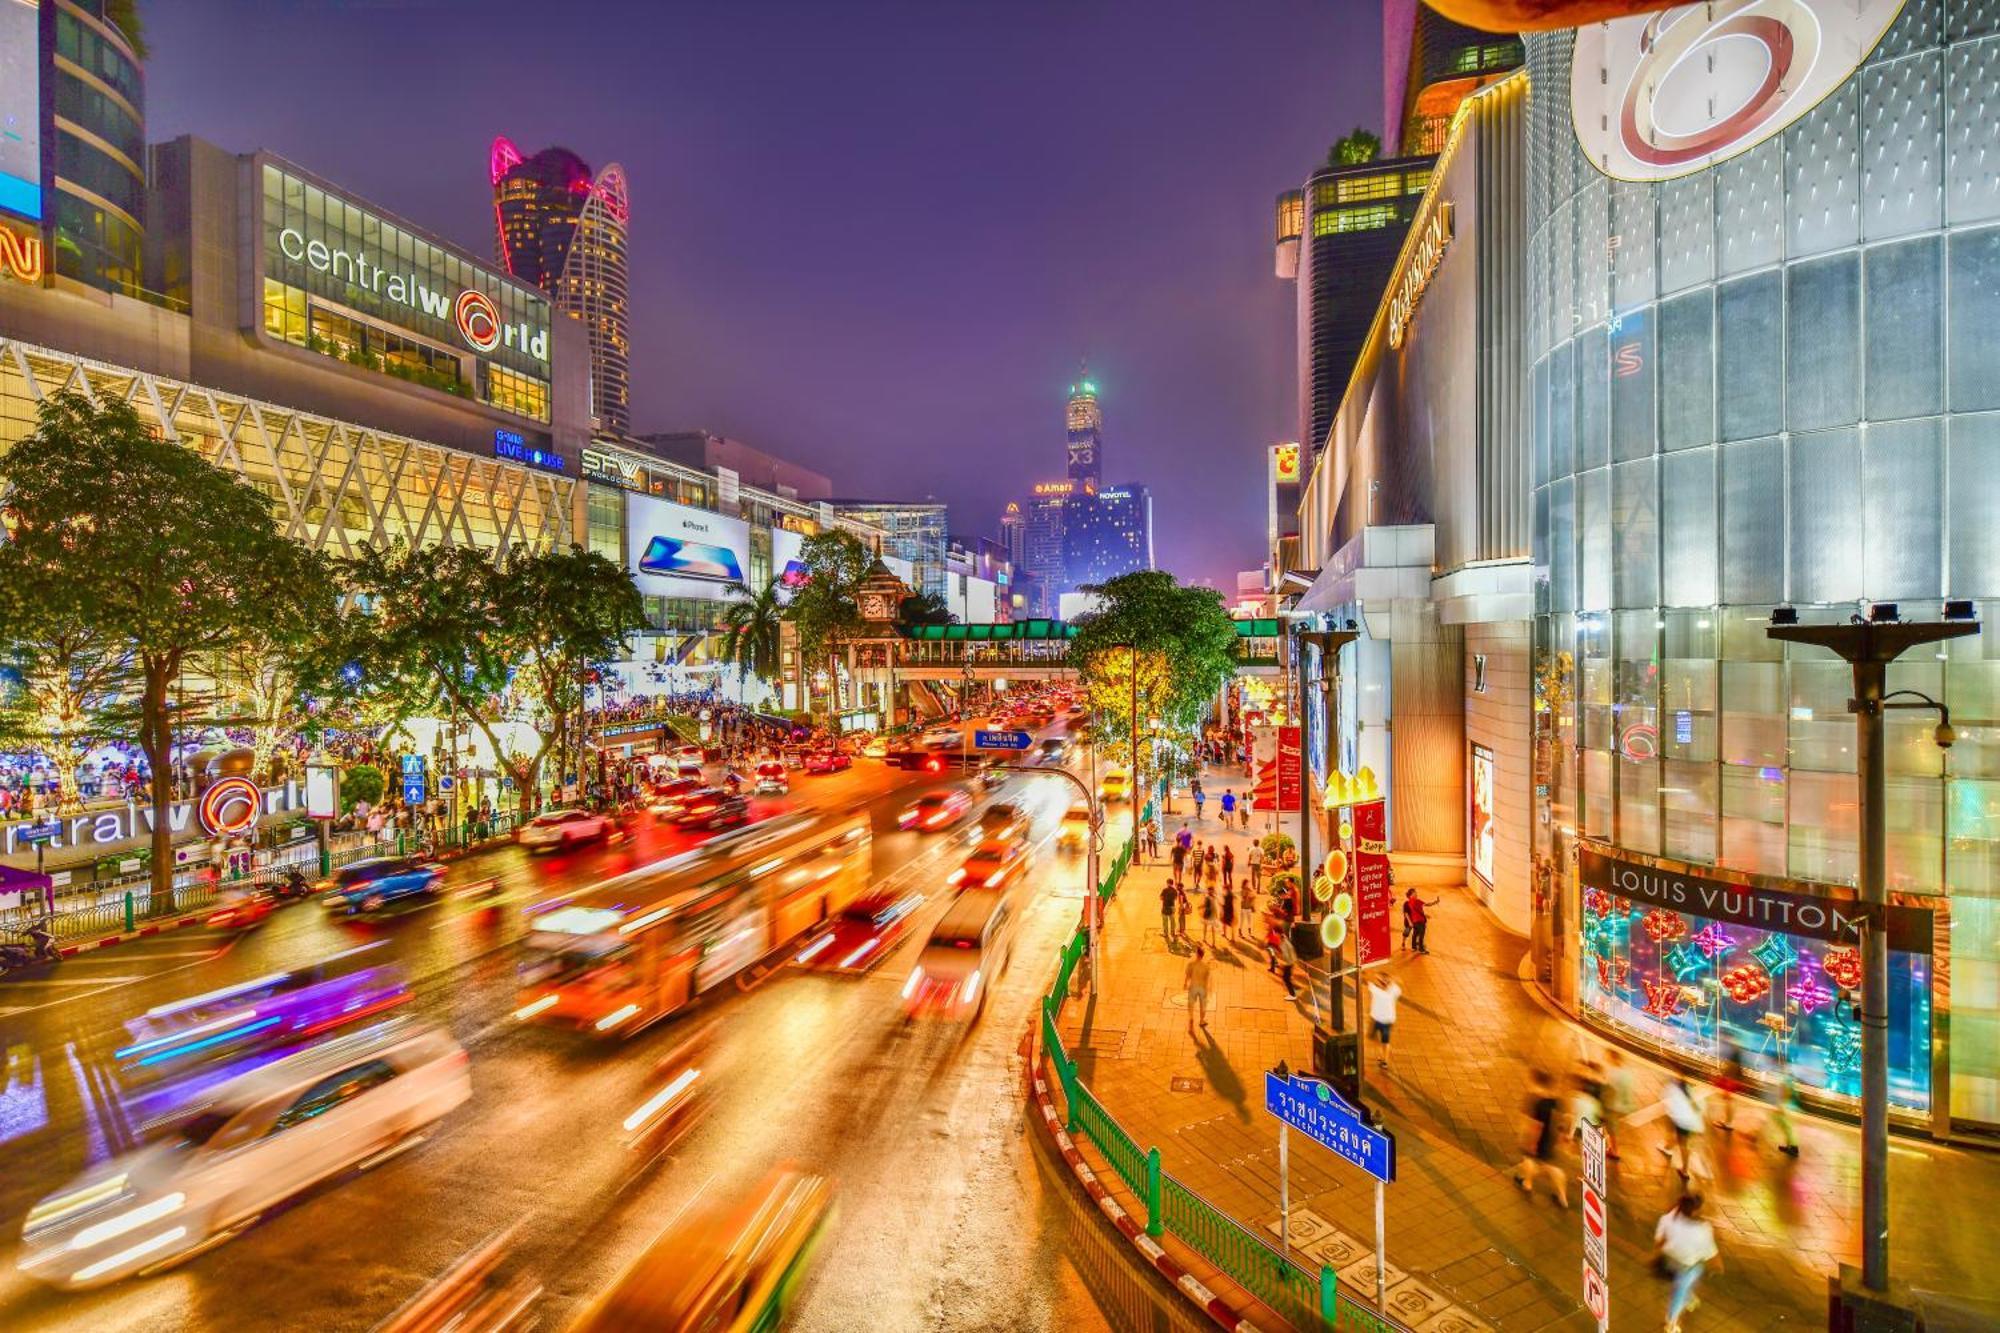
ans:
(40, 948)
(292, 887)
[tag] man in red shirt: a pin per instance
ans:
(1415, 917)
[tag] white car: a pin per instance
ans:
(937, 738)
(263, 1138)
(560, 830)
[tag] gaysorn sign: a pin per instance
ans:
(1810, 915)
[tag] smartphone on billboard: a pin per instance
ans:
(690, 560)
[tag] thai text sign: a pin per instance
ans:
(1312, 1107)
(1373, 893)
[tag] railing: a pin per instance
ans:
(1304, 1299)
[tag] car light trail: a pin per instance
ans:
(660, 1099)
(528, 1011)
(615, 1017)
(124, 1257)
(815, 949)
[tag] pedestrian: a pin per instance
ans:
(1780, 1120)
(1195, 978)
(1208, 915)
(1420, 920)
(1586, 1101)
(1168, 896)
(1152, 842)
(1256, 862)
(1685, 1123)
(1181, 908)
(1382, 1013)
(1289, 957)
(1271, 943)
(1730, 1081)
(1686, 1245)
(1616, 1097)
(1538, 1153)
(1249, 799)
(1184, 839)
(1228, 867)
(1228, 808)
(1228, 912)
(1179, 857)
(1199, 799)
(1409, 921)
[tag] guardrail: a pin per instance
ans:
(1307, 1300)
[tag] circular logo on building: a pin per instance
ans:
(1668, 94)
(478, 320)
(230, 806)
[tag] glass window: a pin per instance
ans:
(1687, 371)
(1823, 343)
(1562, 423)
(1749, 328)
(1689, 796)
(1632, 365)
(1753, 714)
(1826, 527)
(1635, 529)
(1593, 523)
(1593, 400)
(1905, 326)
(1823, 826)
(1902, 509)
(1974, 308)
(1687, 510)
(1974, 491)
(1753, 522)
(1689, 722)
(1753, 818)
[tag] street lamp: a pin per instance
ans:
(1869, 644)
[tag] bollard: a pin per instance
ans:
(1156, 1221)
(1329, 1295)
(128, 909)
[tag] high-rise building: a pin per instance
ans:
(915, 532)
(1430, 64)
(75, 117)
(1014, 534)
(1085, 422)
(1079, 530)
(563, 229)
(1043, 541)
(1108, 533)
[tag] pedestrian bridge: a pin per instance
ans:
(1033, 649)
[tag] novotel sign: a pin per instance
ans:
(1428, 245)
(470, 311)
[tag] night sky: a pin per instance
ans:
(872, 237)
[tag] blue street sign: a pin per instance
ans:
(1002, 740)
(32, 833)
(1312, 1107)
(444, 782)
(413, 766)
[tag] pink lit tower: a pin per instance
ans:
(562, 229)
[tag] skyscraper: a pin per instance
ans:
(1079, 530)
(1085, 420)
(562, 229)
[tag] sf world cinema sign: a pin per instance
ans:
(1666, 94)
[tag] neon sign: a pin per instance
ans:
(20, 256)
(230, 806)
(509, 445)
(478, 320)
(1432, 240)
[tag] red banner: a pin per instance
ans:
(1290, 752)
(1372, 892)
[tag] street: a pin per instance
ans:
(944, 1220)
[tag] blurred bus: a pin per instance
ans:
(632, 950)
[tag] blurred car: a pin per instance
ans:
(727, 1265)
(689, 754)
(1116, 785)
(670, 797)
(1004, 820)
(994, 864)
(863, 934)
(875, 747)
(370, 884)
(1074, 831)
(936, 738)
(263, 1138)
(936, 810)
(560, 830)
(967, 951)
(710, 808)
(1054, 751)
(828, 761)
(772, 779)
(240, 908)
(1075, 710)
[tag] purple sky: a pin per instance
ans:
(872, 237)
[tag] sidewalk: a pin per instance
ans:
(1465, 1246)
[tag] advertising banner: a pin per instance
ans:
(1480, 839)
(678, 551)
(788, 557)
(1372, 891)
(1290, 773)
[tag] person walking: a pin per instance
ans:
(1289, 957)
(1779, 1122)
(1686, 1123)
(1151, 838)
(1249, 800)
(1419, 919)
(1200, 798)
(1228, 912)
(1228, 867)
(1729, 1082)
(1169, 894)
(1685, 1243)
(1256, 864)
(1382, 1014)
(1538, 1156)
(1616, 1097)
(1195, 978)
(1184, 838)
(1409, 922)
(1179, 858)
(1181, 908)
(1228, 808)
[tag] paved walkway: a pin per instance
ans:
(1462, 1237)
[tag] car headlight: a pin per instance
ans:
(131, 1220)
(58, 1207)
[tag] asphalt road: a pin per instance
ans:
(947, 1217)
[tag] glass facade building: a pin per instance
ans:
(1763, 373)
(97, 210)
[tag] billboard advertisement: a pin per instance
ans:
(20, 109)
(1373, 894)
(682, 552)
(788, 564)
(1480, 835)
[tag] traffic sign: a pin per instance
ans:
(1311, 1106)
(1597, 1297)
(33, 833)
(1593, 1230)
(1002, 740)
(445, 782)
(1593, 1155)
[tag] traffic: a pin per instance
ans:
(553, 1053)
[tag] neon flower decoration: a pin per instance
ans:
(1683, 961)
(1746, 983)
(1775, 954)
(1662, 925)
(1663, 998)
(1713, 941)
(1843, 1049)
(1807, 995)
(1614, 973)
(1602, 934)
(1844, 966)
(1596, 902)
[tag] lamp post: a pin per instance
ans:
(1869, 644)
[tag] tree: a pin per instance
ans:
(363, 782)
(924, 608)
(69, 688)
(1154, 649)
(1357, 147)
(160, 554)
(752, 624)
(572, 610)
(264, 679)
(823, 610)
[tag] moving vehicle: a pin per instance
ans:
(1004, 820)
(681, 1095)
(263, 1138)
(1054, 750)
(863, 934)
(37, 946)
(935, 810)
(372, 883)
(875, 747)
(633, 949)
(994, 864)
(712, 809)
(828, 761)
(670, 797)
(772, 779)
(237, 909)
(966, 953)
(936, 738)
(560, 830)
(1115, 785)
(1074, 831)
(725, 1266)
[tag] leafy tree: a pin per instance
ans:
(1155, 649)
(161, 555)
(363, 782)
(264, 679)
(924, 608)
(752, 624)
(823, 611)
(572, 610)
(69, 688)
(1357, 147)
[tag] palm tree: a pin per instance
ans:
(750, 625)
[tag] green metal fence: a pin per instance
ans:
(1302, 1298)
(1127, 1158)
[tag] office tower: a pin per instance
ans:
(73, 113)
(1430, 64)
(563, 229)
(1014, 535)
(1085, 422)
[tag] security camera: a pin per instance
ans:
(1945, 735)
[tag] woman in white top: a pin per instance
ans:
(1687, 1245)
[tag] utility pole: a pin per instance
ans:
(1869, 645)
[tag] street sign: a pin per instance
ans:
(38, 833)
(445, 782)
(1596, 1259)
(1593, 1229)
(1597, 1297)
(1593, 1156)
(1312, 1107)
(1002, 740)
(415, 789)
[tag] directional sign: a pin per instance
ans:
(32, 833)
(1593, 1156)
(1593, 1230)
(1312, 1107)
(1002, 740)
(1597, 1297)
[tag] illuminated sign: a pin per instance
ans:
(20, 255)
(224, 807)
(1284, 463)
(1433, 238)
(230, 806)
(21, 111)
(1054, 487)
(509, 445)
(478, 321)
(680, 551)
(1666, 94)
(471, 312)
(1481, 839)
